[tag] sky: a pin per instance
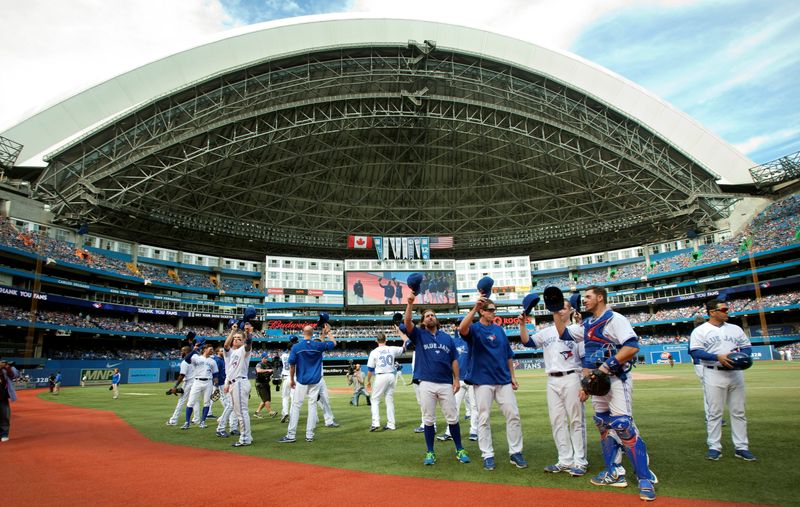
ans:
(733, 65)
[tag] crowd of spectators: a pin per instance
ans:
(790, 352)
(196, 280)
(238, 285)
(561, 281)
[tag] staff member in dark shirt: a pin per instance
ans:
(7, 394)
(263, 375)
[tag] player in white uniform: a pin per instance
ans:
(228, 418)
(287, 391)
(380, 365)
(324, 402)
(711, 343)
(563, 367)
(185, 375)
(204, 381)
(237, 354)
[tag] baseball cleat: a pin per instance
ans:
(374, 428)
(577, 471)
(241, 444)
(170, 423)
(309, 439)
(554, 469)
(211, 416)
(4, 439)
(284, 418)
(745, 455)
(234, 433)
(605, 478)
(258, 415)
(430, 459)
(202, 425)
(488, 463)
(334, 424)
(646, 490)
(222, 434)
(518, 460)
(653, 477)
(713, 454)
(444, 437)
(185, 426)
(473, 437)
(462, 456)
(420, 429)
(273, 414)
(386, 428)
(287, 440)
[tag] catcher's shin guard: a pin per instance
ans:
(635, 447)
(608, 444)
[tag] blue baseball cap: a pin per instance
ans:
(553, 299)
(485, 285)
(249, 314)
(414, 281)
(528, 302)
(323, 319)
(575, 302)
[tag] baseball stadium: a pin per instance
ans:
(351, 179)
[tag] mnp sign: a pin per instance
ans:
(143, 375)
(96, 376)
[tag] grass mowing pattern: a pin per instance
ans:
(669, 413)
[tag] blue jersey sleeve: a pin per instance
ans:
(453, 350)
(293, 355)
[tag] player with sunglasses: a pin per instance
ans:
(711, 343)
(491, 373)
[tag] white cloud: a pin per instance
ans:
(52, 50)
(763, 140)
(553, 23)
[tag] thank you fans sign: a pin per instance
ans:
(408, 248)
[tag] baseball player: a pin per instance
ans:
(491, 371)
(324, 402)
(185, 375)
(610, 340)
(205, 369)
(57, 386)
(399, 374)
(287, 391)
(466, 393)
(305, 361)
(563, 367)
(237, 356)
(436, 373)
(711, 343)
(227, 417)
(115, 378)
(380, 366)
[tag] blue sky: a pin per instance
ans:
(733, 65)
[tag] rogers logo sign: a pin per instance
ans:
(506, 321)
(275, 324)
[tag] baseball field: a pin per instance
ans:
(668, 409)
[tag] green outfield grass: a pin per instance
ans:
(669, 413)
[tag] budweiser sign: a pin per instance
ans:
(276, 324)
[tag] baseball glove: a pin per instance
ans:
(177, 391)
(596, 383)
(215, 395)
(110, 388)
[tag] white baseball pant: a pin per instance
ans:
(465, 395)
(300, 393)
(567, 419)
(286, 396)
(227, 413)
(325, 403)
(507, 401)
(239, 390)
(201, 390)
(187, 388)
(699, 370)
(725, 387)
(383, 386)
(429, 394)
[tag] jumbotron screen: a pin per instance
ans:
(389, 288)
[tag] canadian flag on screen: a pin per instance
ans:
(362, 242)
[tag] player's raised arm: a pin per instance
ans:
(229, 340)
(407, 320)
(463, 328)
(327, 335)
(523, 328)
(248, 337)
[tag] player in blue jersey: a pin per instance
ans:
(115, 378)
(436, 373)
(388, 291)
(465, 393)
(491, 372)
(305, 373)
(610, 342)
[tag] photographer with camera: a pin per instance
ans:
(263, 375)
(7, 394)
